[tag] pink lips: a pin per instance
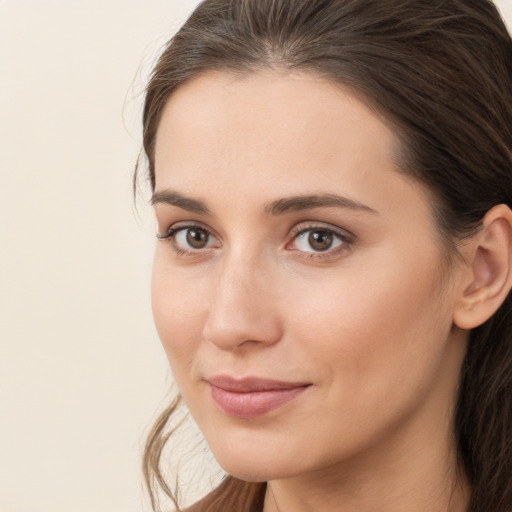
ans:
(252, 397)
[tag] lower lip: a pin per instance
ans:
(254, 403)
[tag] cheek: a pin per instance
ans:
(375, 324)
(180, 309)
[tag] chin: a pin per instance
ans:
(257, 463)
(250, 472)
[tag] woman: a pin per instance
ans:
(332, 185)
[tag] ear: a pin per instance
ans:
(486, 278)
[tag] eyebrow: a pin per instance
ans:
(176, 199)
(278, 207)
(309, 202)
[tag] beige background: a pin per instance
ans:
(82, 373)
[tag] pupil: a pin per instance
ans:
(197, 238)
(320, 240)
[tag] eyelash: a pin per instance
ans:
(344, 240)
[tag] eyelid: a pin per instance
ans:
(321, 226)
(179, 226)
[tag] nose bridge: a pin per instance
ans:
(243, 308)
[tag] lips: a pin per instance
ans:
(252, 397)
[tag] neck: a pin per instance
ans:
(413, 469)
(430, 483)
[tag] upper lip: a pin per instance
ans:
(251, 384)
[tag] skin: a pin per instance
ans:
(368, 323)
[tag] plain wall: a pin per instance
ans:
(82, 373)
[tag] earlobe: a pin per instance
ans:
(487, 277)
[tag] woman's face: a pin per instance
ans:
(299, 288)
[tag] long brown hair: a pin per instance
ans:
(441, 72)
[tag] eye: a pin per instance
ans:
(318, 241)
(193, 238)
(189, 239)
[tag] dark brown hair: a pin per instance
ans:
(441, 72)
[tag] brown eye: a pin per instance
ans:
(197, 238)
(320, 240)
(189, 239)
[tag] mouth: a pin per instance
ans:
(252, 397)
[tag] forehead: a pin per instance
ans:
(273, 133)
(245, 119)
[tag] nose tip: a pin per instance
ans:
(242, 314)
(230, 333)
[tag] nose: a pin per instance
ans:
(244, 310)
